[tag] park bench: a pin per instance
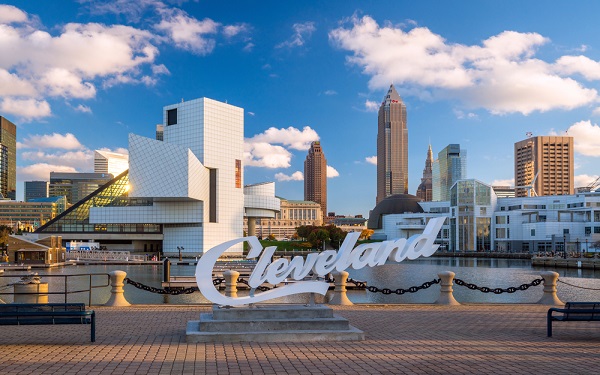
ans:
(48, 313)
(574, 312)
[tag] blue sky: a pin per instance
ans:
(81, 75)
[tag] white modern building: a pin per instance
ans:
(180, 195)
(480, 221)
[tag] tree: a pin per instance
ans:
(318, 237)
(5, 232)
(336, 236)
(366, 234)
(305, 230)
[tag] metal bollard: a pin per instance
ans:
(339, 296)
(550, 297)
(446, 296)
(166, 270)
(116, 293)
(231, 279)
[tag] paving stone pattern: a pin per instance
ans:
(400, 339)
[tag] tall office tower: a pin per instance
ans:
(392, 147)
(35, 189)
(8, 158)
(449, 167)
(110, 162)
(315, 176)
(160, 131)
(425, 189)
(76, 186)
(550, 158)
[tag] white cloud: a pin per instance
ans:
(160, 69)
(53, 141)
(11, 14)
(330, 92)
(83, 108)
(187, 32)
(248, 47)
(26, 109)
(40, 171)
(596, 111)
(302, 31)
(118, 150)
(586, 138)
(262, 154)
(251, 113)
(291, 137)
(504, 182)
(584, 180)
(371, 159)
(501, 75)
(296, 176)
(371, 106)
(232, 30)
(69, 63)
(332, 172)
(462, 115)
(80, 160)
(585, 66)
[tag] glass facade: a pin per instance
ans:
(114, 193)
(450, 166)
(471, 201)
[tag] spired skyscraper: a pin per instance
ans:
(425, 189)
(315, 176)
(392, 147)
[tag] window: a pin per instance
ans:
(588, 231)
(172, 116)
(596, 229)
(566, 231)
(533, 233)
(238, 173)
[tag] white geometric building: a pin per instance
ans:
(193, 176)
(187, 189)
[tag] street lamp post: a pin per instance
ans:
(578, 247)
(180, 248)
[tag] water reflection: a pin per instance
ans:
(493, 273)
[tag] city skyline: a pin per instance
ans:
(82, 76)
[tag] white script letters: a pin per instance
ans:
(371, 254)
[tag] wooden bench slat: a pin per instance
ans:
(574, 311)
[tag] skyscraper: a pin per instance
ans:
(315, 176)
(392, 146)
(449, 167)
(8, 158)
(425, 189)
(550, 158)
(35, 189)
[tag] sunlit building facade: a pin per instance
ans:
(392, 146)
(8, 159)
(315, 176)
(544, 165)
(110, 162)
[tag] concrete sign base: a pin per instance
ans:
(271, 323)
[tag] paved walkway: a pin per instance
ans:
(400, 339)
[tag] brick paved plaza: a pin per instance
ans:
(400, 339)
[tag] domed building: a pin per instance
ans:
(405, 215)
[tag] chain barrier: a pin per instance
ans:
(511, 289)
(400, 291)
(577, 286)
(261, 288)
(170, 291)
(358, 284)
